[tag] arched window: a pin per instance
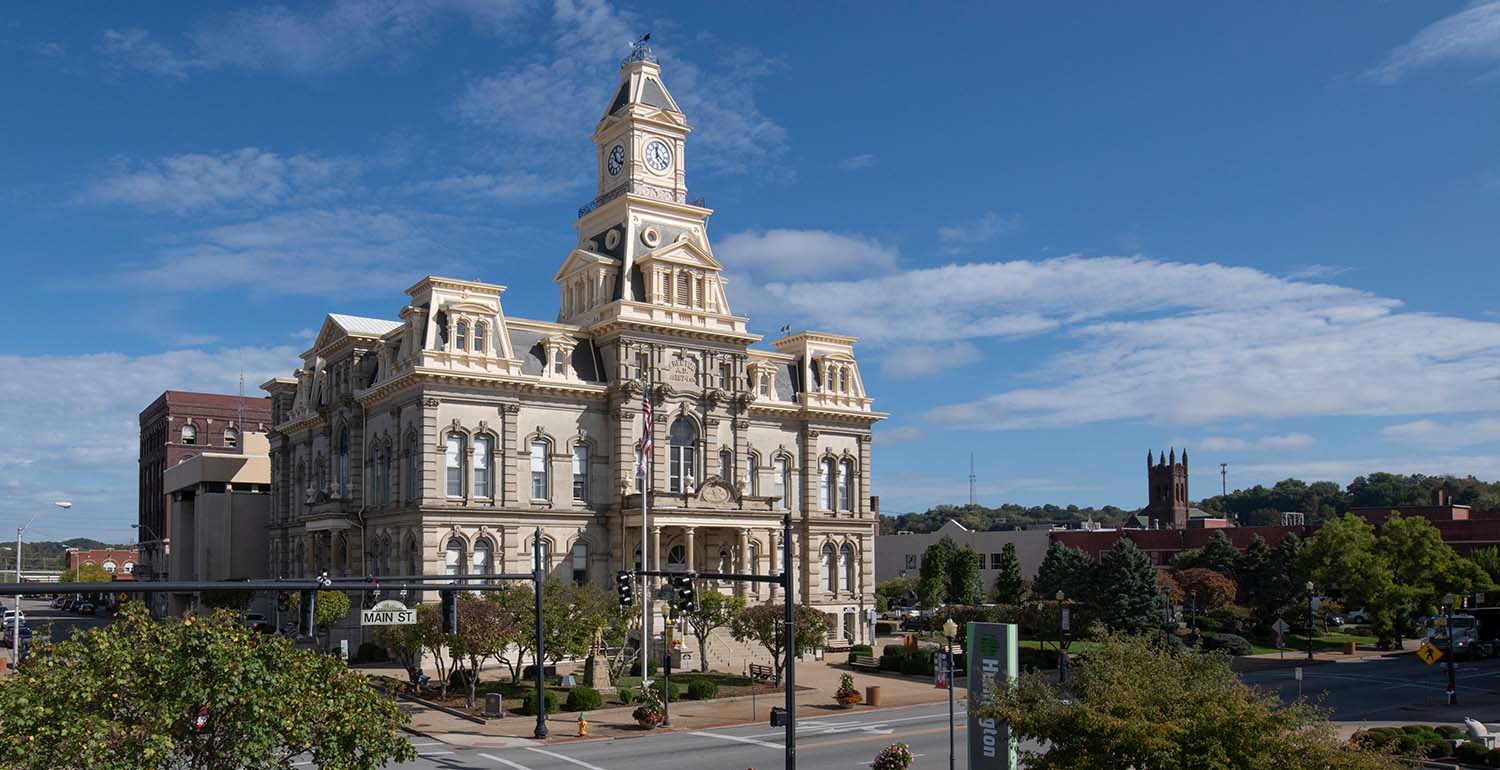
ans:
(479, 338)
(189, 434)
(726, 465)
(846, 567)
(825, 485)
(453, 557)
(559, 364)
(724, 564)
(231, 438)
(677, 558)
(387, 484)
(828, 567)
(541, 484)
(581, 472)
(461, 339)
(754, 471)
(413, 557)
(683, 459)
(455, 464)
(376, 462)
(479, 562)
(109, 566)
(129, 567)
(482, 466)
(846, 485)
(344, 463)
(580, 558)
(782, 483)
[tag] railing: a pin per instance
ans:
(640, 188)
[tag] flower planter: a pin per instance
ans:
(648, 724)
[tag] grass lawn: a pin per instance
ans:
(1296, 643)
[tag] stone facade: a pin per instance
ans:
(442, 442)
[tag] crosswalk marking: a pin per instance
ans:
(740, 739)
(505, 762)
(564, 758)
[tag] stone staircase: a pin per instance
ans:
(728, 655)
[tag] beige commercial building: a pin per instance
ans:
(900, 555)
(442, 439)
(220, 503)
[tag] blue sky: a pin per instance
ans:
(1065, 232)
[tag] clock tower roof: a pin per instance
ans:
(641, 86)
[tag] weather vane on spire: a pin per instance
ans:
(639, 51)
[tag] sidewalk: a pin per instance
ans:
(1271, 660)
(816, 682)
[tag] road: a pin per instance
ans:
(61, 625)
(845, 742)
(1398, 689)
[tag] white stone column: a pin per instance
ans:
(691, 544)
(742, 560)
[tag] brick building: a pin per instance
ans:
(176, 426)
(120, 562)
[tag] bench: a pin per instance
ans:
(837, 644)
(760, 673)
(865, 661)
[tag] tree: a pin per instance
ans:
(86, 573)
(227, 600)
(1171, 590)
(932, 585)
(1067, 569)
(572, 616)
(1128, 595)
(1131, 704)
(1209, 589)
(1425, 567)
(126, 697)
(715, 610)
(520, 602)
(1010, 586)
(329, 607)
(898, 591)
(964, 586)
(1488, 559)
(1251, 572)
(1220, 555)
(763, 624)
(485, 629)
(1342, 554)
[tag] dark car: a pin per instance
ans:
(72, 605)
(9, 639)
(86, 608)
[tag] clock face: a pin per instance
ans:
(658, 157)
(616, 159)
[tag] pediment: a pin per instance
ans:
(581, 258)
(716, 492)
(684, 252)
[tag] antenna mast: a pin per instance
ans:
(972, 500)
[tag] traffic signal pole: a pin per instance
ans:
(539, 575)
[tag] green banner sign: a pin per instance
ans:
(993, 664)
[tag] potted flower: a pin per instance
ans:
(847, 695)
(896, 756)
(649, 714)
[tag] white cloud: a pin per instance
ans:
(1471, 35)
(248, 177)
(1316, 272)
(926, 360)
(1431, 433)
(785, 253)
(309, 252)
(1287, 441)
(898, 435)
(1344, 469)
(69, 428)
(520, 187)
(856, 162)
(303, 40)
(987, 227)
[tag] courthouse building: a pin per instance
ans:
(440, 440)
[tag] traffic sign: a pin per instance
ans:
(1280, 626)
(1297, 673)
(388, 613)
(1429, 653)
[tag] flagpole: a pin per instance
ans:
(646, 447)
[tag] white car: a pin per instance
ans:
(10, 617)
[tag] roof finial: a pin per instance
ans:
(639, 51)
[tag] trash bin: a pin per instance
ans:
(492, 705)
(1349, 648)
(872, 695)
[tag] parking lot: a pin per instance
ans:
(47, 623)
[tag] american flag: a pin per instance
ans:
(645, 431)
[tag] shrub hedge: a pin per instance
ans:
(702, 689)
(528, 703)
(860, 649)
(583, 699)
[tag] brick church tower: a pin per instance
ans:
(1167, 490)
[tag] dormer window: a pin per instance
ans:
(231, 438)
(684, 288)
(461, 338)
(765, 386)
(559, 364)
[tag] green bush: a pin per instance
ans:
(1492, 759)
(1033, 659)
(660, 686)
(1470, 752)
(1234, 644)
(1378, 739)
(859, 650)
(894, 650)
(919, 662)
(702, 689)
(1437, 747)
(1408, 744)
(625, 695)
(1415, 729)
(635, 668)
(890, 662)
(885, 627)
(583, 699)
(1451, 732)
(528, 703)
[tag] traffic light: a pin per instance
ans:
(625, 584)
(307, 609)
(682, 593)
(283, 601)
(449, 610)
(372, 594)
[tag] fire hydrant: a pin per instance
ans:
(583, 725)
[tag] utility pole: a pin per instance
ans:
(791, 645)
(539, 576)
(1224, 479)
(972, 478)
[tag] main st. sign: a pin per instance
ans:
(388, 613)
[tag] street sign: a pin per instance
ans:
(993, 663)
(1280, 626)
(388, 613)
(1067, 619)
(1429, 653)
(1297, 673)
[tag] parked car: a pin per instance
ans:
(9, 638)
(86, 608)
(1358, 617)
(69, 605)
(10, 617)
(58, 603)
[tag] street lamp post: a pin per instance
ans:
(1062, 638)
(15, 646)
(1193, 612)
(1452, 648)
(950, 630)
(1309, 588)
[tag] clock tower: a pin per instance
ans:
(642, 240)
